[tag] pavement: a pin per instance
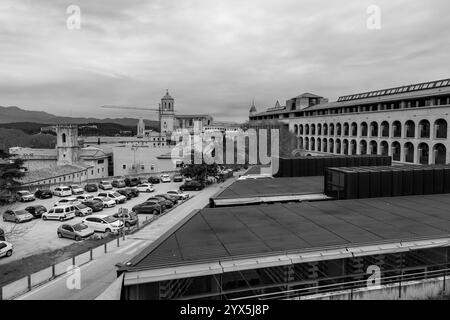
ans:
(99, 274)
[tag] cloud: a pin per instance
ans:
(215, 56)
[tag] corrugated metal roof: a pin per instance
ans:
(239, 232)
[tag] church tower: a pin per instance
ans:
(140, 128)
(252, 109)
(68, 150)
(166, 114)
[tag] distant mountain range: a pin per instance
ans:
(16, 114)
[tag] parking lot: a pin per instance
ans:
(38, 236)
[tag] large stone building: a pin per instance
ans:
(68, 162)
(408, 123)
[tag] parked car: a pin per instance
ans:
(174, 199)
(61, 213)
(117, 197)
(91, 187)
(17, 216)
(134, 191)
(43, 194)
(62, 191)
(76, 189)
(82, 210)
(95, 205)
(6, 197)
(146, 187)
(105, 185)
(2, 235)
(36, 211)
(153, 179)
(129, 218)
(118, 183)
(77, 231)
(133, 182)
(192, 185)
(150, 207)
(67, 201)
(182, 195)
(25, 196)
(126, 193)
(107, 203)
(6, 249)
(85, 197)
(163, 201)
(165, 178)
(103, 223)
(177, 178)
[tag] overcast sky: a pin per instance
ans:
(214, 56)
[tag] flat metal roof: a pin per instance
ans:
(230, 234)
(270, 187)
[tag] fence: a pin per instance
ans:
(418, 285)
(29, 282)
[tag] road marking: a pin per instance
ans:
(137, 248)
(120, 250)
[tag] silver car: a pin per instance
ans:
(76, 231)
(17, 216)
(82, 210)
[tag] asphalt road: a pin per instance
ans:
(98, 274)
(39, 236)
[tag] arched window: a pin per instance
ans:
(409, 152)
(331, 146)
(363, 147)
(354, 130)
(396, 129)
(374, 129)
(384, 148)
(424, 129)
(353, 147)
(63, 138)
(423, 153)
(346, 129)
(410, 129)
(364, 129)
(385, 129)
(440, 129)
(373, 147)
(440, 153)
(396, 151)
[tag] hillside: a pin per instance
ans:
(17, 138)
(103, 129)
(18, 115)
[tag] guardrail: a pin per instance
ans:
(29, 282)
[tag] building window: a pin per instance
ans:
(63, 138)
(142, 167)
(124, 166)
(152, 167)
(101, 161)
(92, 172)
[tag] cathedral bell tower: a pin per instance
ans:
(166, 114)
(68, 150)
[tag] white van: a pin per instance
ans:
(60, 213)
(62, 191)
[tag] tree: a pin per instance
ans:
(11, 170)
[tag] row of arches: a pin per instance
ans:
(373, 129)
(350, 147)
